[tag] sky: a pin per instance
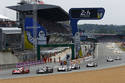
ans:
(114, 9)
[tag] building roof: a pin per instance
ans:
(46, 11)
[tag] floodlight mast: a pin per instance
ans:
(34, 16)
(35, 26)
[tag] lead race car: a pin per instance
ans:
(45, 70)
(21, 70)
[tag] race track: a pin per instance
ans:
(101, 53)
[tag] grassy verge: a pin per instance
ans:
(119, 45)
(122, 48)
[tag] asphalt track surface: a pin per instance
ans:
(101, 52)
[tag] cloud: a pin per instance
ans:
(115, 13)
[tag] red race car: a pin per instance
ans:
(21, 70)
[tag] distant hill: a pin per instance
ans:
(94, 28)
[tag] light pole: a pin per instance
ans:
(35, 27)
(97, 49)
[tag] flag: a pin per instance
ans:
(80, 52)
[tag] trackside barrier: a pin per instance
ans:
(23, 64)
(32, 63)
(7, 66)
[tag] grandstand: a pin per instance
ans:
(9, 34)
(10, 38)
(53, 18)
(6, 22)
(59, 39)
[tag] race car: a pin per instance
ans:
(92, 64)
(21, 70)
(45, 70)
(118, 58)
(75, 66)
(110, 59)
(64, 68)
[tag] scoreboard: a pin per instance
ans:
(87, 13)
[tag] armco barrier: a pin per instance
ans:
(7, 66)
(16, 65)
(32, 63)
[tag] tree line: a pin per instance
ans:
(109, 29)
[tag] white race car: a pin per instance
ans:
(118, 58)
(75, 66)
(64, 68)
(110, 59)
(44, 70)
(92, 64)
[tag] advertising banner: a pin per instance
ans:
(28, 34)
